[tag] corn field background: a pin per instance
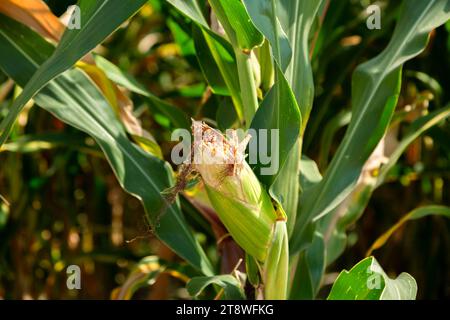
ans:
(93, 205)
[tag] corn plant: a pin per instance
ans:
(258, 59)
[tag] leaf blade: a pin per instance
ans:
(70, 97)
(367, 281)
(375, 90)
(72, 47)
(231, 286)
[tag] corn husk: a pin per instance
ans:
(243, 205)
(236, 194)
(276, 267)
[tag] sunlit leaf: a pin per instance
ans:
(74, 44)
(367, 281)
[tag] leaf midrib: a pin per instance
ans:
(85, 27)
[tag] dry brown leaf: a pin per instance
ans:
(35, 14)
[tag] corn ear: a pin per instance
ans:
(241, 202)
(254, 221)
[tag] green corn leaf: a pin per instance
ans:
(244, 37)
(231, 286)
(214, 54)
(342, 119)
(263, 14)
(309, 173)
(73, 46)
(226, 116)
(367, 281)
(278, 111)
(115, 74)
(297, 18)
(309, 177)
(238, 26)
(191, 9)
(264, 54)
(4, 212)
(286, 186)
(309, 271)
(334, 225)
(357, 201)
(218, 63)
(375, 89)
(216, 73)
(267, 15)
(47, 141)
(74, 99)
(252, 270)
(178, 118)
(182, 38)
